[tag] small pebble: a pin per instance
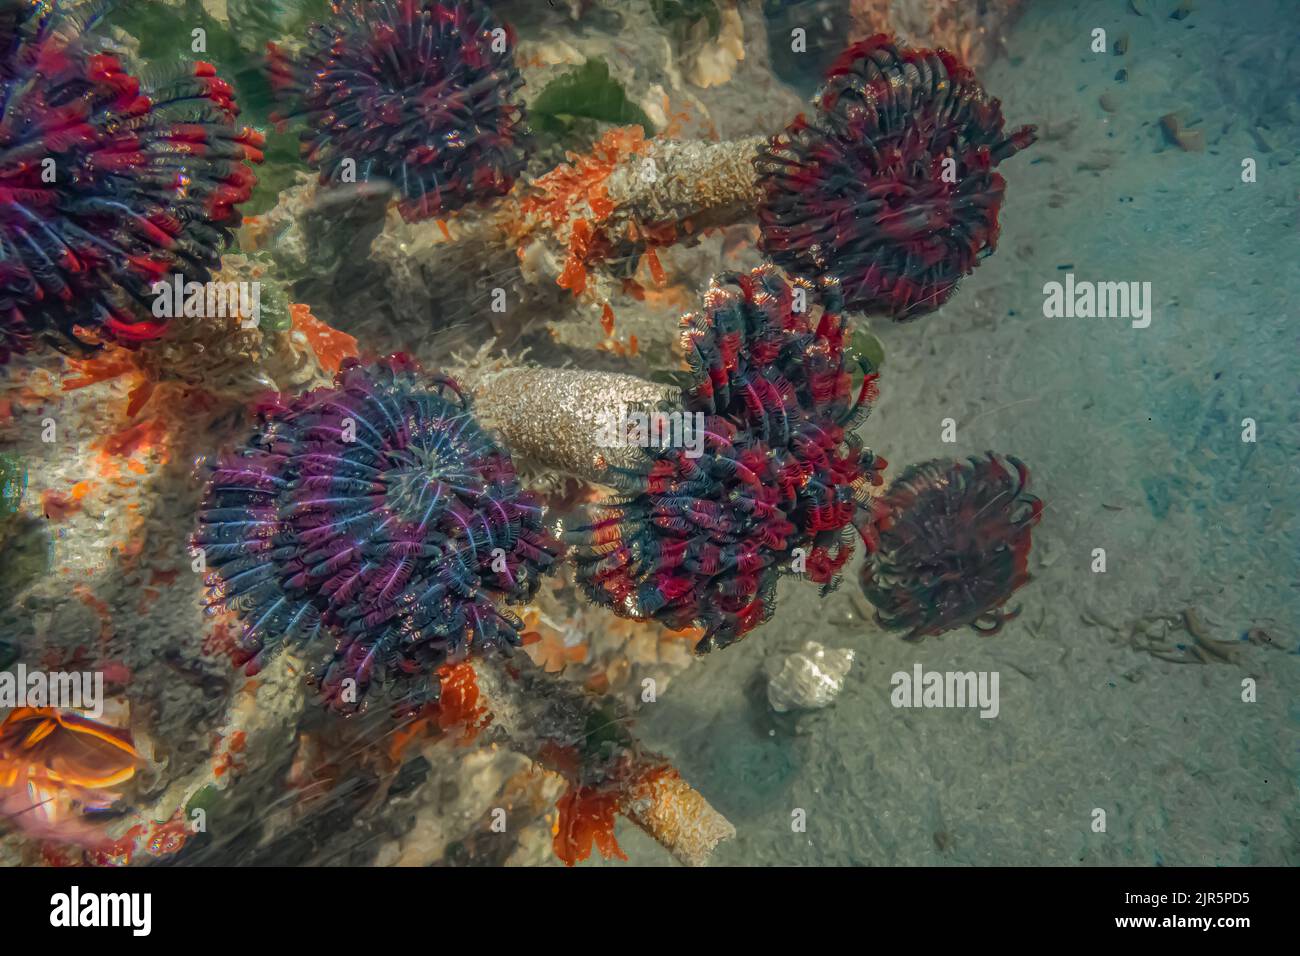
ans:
(1189, 140)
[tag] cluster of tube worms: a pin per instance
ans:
(375, 521)
(702, 540)
(407, 540)
(377, 514)
(890, 184)
(415, 94)
(108, 183)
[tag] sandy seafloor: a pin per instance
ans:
(1145, 421)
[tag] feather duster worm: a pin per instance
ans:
(700, 539)
(108, 182)
(948, 544)
(379, 515)
(890, 185)
(416, 93)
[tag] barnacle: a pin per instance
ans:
(889, 185)
(700, 540)
(419, 94)
(948, 544)
(108, 182)
(376, 514)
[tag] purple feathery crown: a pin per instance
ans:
(108, 182)
(780, 475)
(377, 513)
(417, 93)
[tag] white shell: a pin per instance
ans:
(808, 679)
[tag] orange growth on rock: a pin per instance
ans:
(574, 276)
(559, 758)
(554, 196)
(575, 194)
(401, 737)
(651, 778)
(143, 436)
(167, 838)
(223, 763)
(108, 467)
(691, 635)
(155, 839)
(226, 753)
(330, 345)
(656, 267)
(677, 122)
(548, 645)
(138, 397)
(163, 577)
(57, 506)
(621, 349)
(673, 297)
(586, 819)
(458, 702)
(457, 706)
(222, 641)
(607, 319)
(110, 363)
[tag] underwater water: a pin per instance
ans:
(638, 432)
